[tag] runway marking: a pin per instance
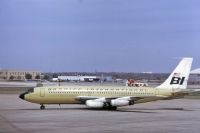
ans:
(6, 126)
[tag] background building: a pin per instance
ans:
(6, 74)
(195, 76)
(79, 78)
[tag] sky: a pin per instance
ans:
(98, 35)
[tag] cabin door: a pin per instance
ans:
(156, 91)
(42, 92)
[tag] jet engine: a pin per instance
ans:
(121, 102)
(94, 104)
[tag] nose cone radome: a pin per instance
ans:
(22, 96)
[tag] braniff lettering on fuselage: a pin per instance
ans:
(111, 97)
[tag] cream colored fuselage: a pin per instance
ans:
(68, 94)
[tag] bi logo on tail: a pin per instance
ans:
(177, 80)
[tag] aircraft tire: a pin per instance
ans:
(113, 108)
(131, 102)
(42, 107)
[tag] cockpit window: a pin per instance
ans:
(31, 90)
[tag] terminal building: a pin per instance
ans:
(6, 74)
(79, 78)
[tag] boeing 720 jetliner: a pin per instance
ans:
(111, 97)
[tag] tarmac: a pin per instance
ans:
(169, 116)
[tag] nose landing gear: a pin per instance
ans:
(42, 107)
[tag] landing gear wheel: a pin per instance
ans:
(113, 108)
(105, 105)
(131, 102)
(42, 107)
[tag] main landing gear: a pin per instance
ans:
(113, 108)
(42, 107)
(109, 107)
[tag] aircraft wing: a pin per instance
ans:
(83, 99)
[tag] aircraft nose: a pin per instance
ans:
(21, 96)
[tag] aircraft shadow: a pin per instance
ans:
(88, 109)
(157, 109)
(134, 110)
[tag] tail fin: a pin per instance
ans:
(179, 77)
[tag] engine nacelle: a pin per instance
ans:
(94, 104)
(118, 103)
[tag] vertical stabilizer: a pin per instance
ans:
(179, 77)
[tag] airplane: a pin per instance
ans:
(111, 97)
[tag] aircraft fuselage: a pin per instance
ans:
(69, 94)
